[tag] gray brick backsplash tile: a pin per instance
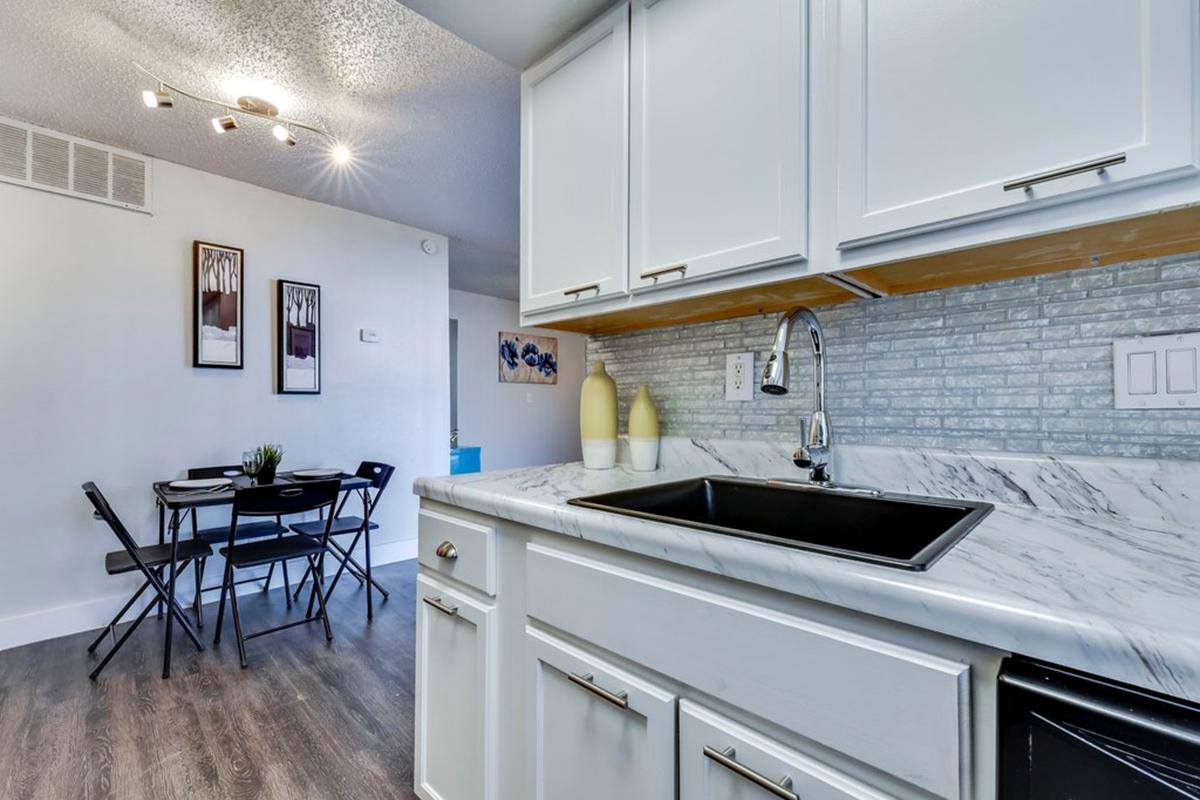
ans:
(1020, 365)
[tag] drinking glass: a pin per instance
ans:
(251, 463)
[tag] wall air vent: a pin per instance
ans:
(44, 159)
(14, 152)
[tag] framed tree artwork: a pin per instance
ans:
(217, 306)
(298, 365)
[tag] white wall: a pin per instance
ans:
(516, 424)
(96, 381)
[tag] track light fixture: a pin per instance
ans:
(283, 129)
(158, 98)
(224, 123)
(281, 133)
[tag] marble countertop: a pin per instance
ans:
(1106, 580)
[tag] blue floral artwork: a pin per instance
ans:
(528, 359)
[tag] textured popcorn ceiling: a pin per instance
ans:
(433, 122)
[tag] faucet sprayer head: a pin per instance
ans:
(775, 376)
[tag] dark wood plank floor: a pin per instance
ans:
(303, 721)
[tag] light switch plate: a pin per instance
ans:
(370, 335)
(1157, 371)
(739, 376)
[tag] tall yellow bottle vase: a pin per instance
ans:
(598, 419)
(643, 431)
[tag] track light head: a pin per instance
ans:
(341, 154)
(284, 135)
(225, 123)
(158, 98)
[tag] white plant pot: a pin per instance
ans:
(643, 453)
(599, 453)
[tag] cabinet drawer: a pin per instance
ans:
(901, 710)
(718, 758)
(467, 549)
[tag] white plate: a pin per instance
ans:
(309, 474)
(201, 483)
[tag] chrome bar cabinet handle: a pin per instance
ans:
(1095, 165)
(658, 273)
(618, 699)
(781, 788)
(437, 603)
(578, 290)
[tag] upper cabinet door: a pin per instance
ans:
(574, 168)
(717, 136)
(952, 112)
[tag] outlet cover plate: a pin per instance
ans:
(739, 376)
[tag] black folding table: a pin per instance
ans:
(180, 501)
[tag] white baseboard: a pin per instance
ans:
(51, 623)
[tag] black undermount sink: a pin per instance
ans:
(896, 530)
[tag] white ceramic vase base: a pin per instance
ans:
(599, 453)
(643, 453)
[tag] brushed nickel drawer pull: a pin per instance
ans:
(447, 550)
(658, 273)
(618, 699)
(1095, 165)
(437, 603)
(578, 290)
(781, 788)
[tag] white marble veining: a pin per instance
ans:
(1089, 563)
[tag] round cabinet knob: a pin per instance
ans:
(447, 550)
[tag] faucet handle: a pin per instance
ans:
(813, 457)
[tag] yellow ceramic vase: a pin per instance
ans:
(598, 419)
(643, 431)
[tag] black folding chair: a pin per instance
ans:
(213, 536)
(149, 560)
(379, 475)
(275, 500)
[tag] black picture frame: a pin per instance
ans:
(299, 341)
(218, 271)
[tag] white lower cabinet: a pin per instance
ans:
(600, 732)
(720, 759)
(455, 695)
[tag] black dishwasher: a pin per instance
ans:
(1069, 736)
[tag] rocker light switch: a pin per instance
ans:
(1142, 373)
(1157, 371)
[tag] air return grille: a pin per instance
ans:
(44, 159)
(14, 152)
(51, 161)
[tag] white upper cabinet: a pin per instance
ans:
(574, 168)
(951, 112)
(717, 136)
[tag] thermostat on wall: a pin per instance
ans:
(369, 334)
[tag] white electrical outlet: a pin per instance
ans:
(739, 376)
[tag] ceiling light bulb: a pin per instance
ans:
(341, 154)
(225, 123)
(284, 135)
(157, 99)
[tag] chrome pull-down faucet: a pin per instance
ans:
(814, 453)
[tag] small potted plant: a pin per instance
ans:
(268, 457)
